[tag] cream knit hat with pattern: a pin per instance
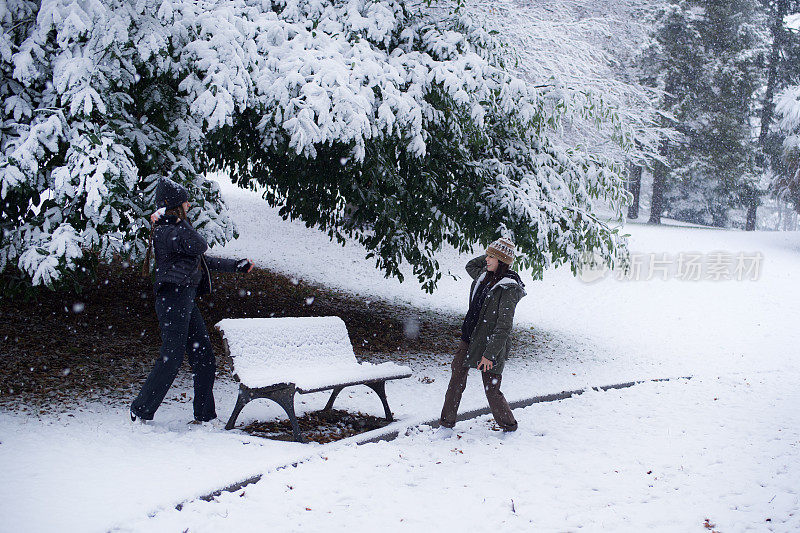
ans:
(502, 249)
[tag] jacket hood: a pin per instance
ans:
(514, 276)
(510, 280)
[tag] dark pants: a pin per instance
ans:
(491, 384)
(182, 330)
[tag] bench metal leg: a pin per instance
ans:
(380, 388)
(334, 394)
(283, 396)
(241, 401)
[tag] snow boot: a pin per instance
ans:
(214, 423)
(135, 419)
(443, 433)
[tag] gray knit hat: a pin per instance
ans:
(170, 194)
(502, 249)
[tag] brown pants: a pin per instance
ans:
(491, 384)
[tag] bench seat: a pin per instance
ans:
(363, 373)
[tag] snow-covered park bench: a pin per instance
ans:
(275, 358)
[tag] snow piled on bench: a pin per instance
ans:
(311, 352)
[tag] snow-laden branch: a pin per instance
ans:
(409, 120)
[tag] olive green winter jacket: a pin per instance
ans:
(491, 336)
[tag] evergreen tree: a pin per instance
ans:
(388, 122)
(706, 59)
(669, 65)
(779, 151)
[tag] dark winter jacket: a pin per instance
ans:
(491, 336)
(179, 253)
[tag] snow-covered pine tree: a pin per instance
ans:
(706, 59)
(781, 144)
(91, 117)
(389, 122)
(787, 183)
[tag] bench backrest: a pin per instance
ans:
(276, 347)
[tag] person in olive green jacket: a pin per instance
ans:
(485, 333)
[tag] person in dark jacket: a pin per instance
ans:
(485, 343)
(181, 274)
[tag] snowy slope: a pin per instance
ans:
(641, 328)
(94, 471)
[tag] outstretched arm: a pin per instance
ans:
(229, 265)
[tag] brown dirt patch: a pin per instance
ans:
(64, 347)
(318, 426)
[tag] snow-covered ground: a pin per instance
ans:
(721, 446)
(657, 457)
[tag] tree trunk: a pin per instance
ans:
(635, 187)
(787, 218)
(750, 224)
(752, 199)
(660, 170)
(657, 200)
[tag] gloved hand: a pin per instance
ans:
(245, 265)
